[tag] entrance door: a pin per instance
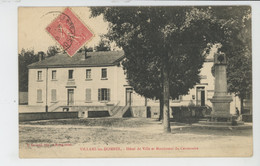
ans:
(129, 96)
(70, 97)
(200, 96)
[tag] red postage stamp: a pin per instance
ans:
(69, 31)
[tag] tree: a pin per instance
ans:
(53, 50)
(164, 47)
(85, 48)
(25, 58)
(104, 45)
(238, 48)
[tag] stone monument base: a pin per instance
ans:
(221, 109)
(207, 123)
(222, 126)
(218, 123)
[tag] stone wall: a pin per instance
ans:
(46, 116)
(139, 111)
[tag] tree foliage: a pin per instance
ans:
(238, 48)
(85, 48)
(53, 50)
(164, 46)
(147, 34)
(103, 45)
(25, 58)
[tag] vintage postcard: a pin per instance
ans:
(143, 81)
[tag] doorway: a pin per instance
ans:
(129, 92)
(70, 100)
(200, 96)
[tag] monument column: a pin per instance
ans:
(221, 100)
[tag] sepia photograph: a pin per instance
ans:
(135, 81)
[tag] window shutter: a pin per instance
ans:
(39, 95)
(99, 94)
(108, 94)
(53, 95)
(88, 94)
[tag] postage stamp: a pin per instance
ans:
(69, 31)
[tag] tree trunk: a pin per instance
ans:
(241, 105)
(166, 95)
(161, 97)
(161, 109)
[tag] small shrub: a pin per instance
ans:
(190, 114)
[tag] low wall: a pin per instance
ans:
(181, 113)
(96, 114)
(155, 111)
(84, 108)
(23, 97)
(190, 114)
(139, 111)
(47, 115)
(31, 109)
(247, 118)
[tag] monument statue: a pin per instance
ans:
(221, 100)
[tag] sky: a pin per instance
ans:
(32, 22)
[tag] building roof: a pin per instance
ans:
(101, 58)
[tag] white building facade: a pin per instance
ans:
(98, 79)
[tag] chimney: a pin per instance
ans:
(86, 54)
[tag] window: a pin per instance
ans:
(39, 95)
(88, 95)
(39, 75)
(70, 74)
(103, 94)
(53, 95)
(103, 73)
(88, 74)
(53, 74)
